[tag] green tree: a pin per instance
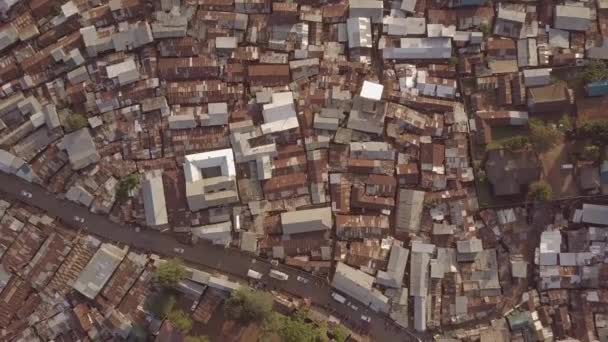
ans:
(161, 303)
(591, 153)
(565, 124)
(340, 333)
(595, 71)
(596, 130)
(540, 191)
(515, 143)
(454, 61)
(170, 272)
(201, 338)
(125, 186)
(75, 122)
(485, 29)
(298, 328)
(138, 334)
(295, 329)
(542, 136)
(248, 305)
(180, 320)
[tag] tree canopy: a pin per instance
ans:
(125, 186)
(201, 338)
(295, 329)
(298, 328)
(596, 130)
(180, 320)
(340, 334)
(161, 303)
(515, 143)
(247, 305)
(75, 121)
(169, 273)
(591, 153)
(542, 136)
(540, 191)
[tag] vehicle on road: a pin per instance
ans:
(274, 262)
(26, 194)
(302, 280)
(338, 297)
(352, 306)
(79, 219)
(178, 250)
(366, 318)
(254, 274)
(278, 275)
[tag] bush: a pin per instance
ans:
(542, 136)
(169, 273)
(540, 191)
(247, 305)
(75, 122)
(180, 320)
(595, 71)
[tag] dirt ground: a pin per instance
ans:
(563, 182)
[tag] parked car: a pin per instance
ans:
(274, 262)
(366, 318)
(254, 274)
(352, 306)
(302, 280)
(178, 250)
(338, 297)
(26, 194)
(79, 219)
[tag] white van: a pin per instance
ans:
(338, 298)
(278, 275)
(253, 274)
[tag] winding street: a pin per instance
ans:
(229, 261)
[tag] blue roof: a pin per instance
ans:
(604, 172)
(597, 88)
